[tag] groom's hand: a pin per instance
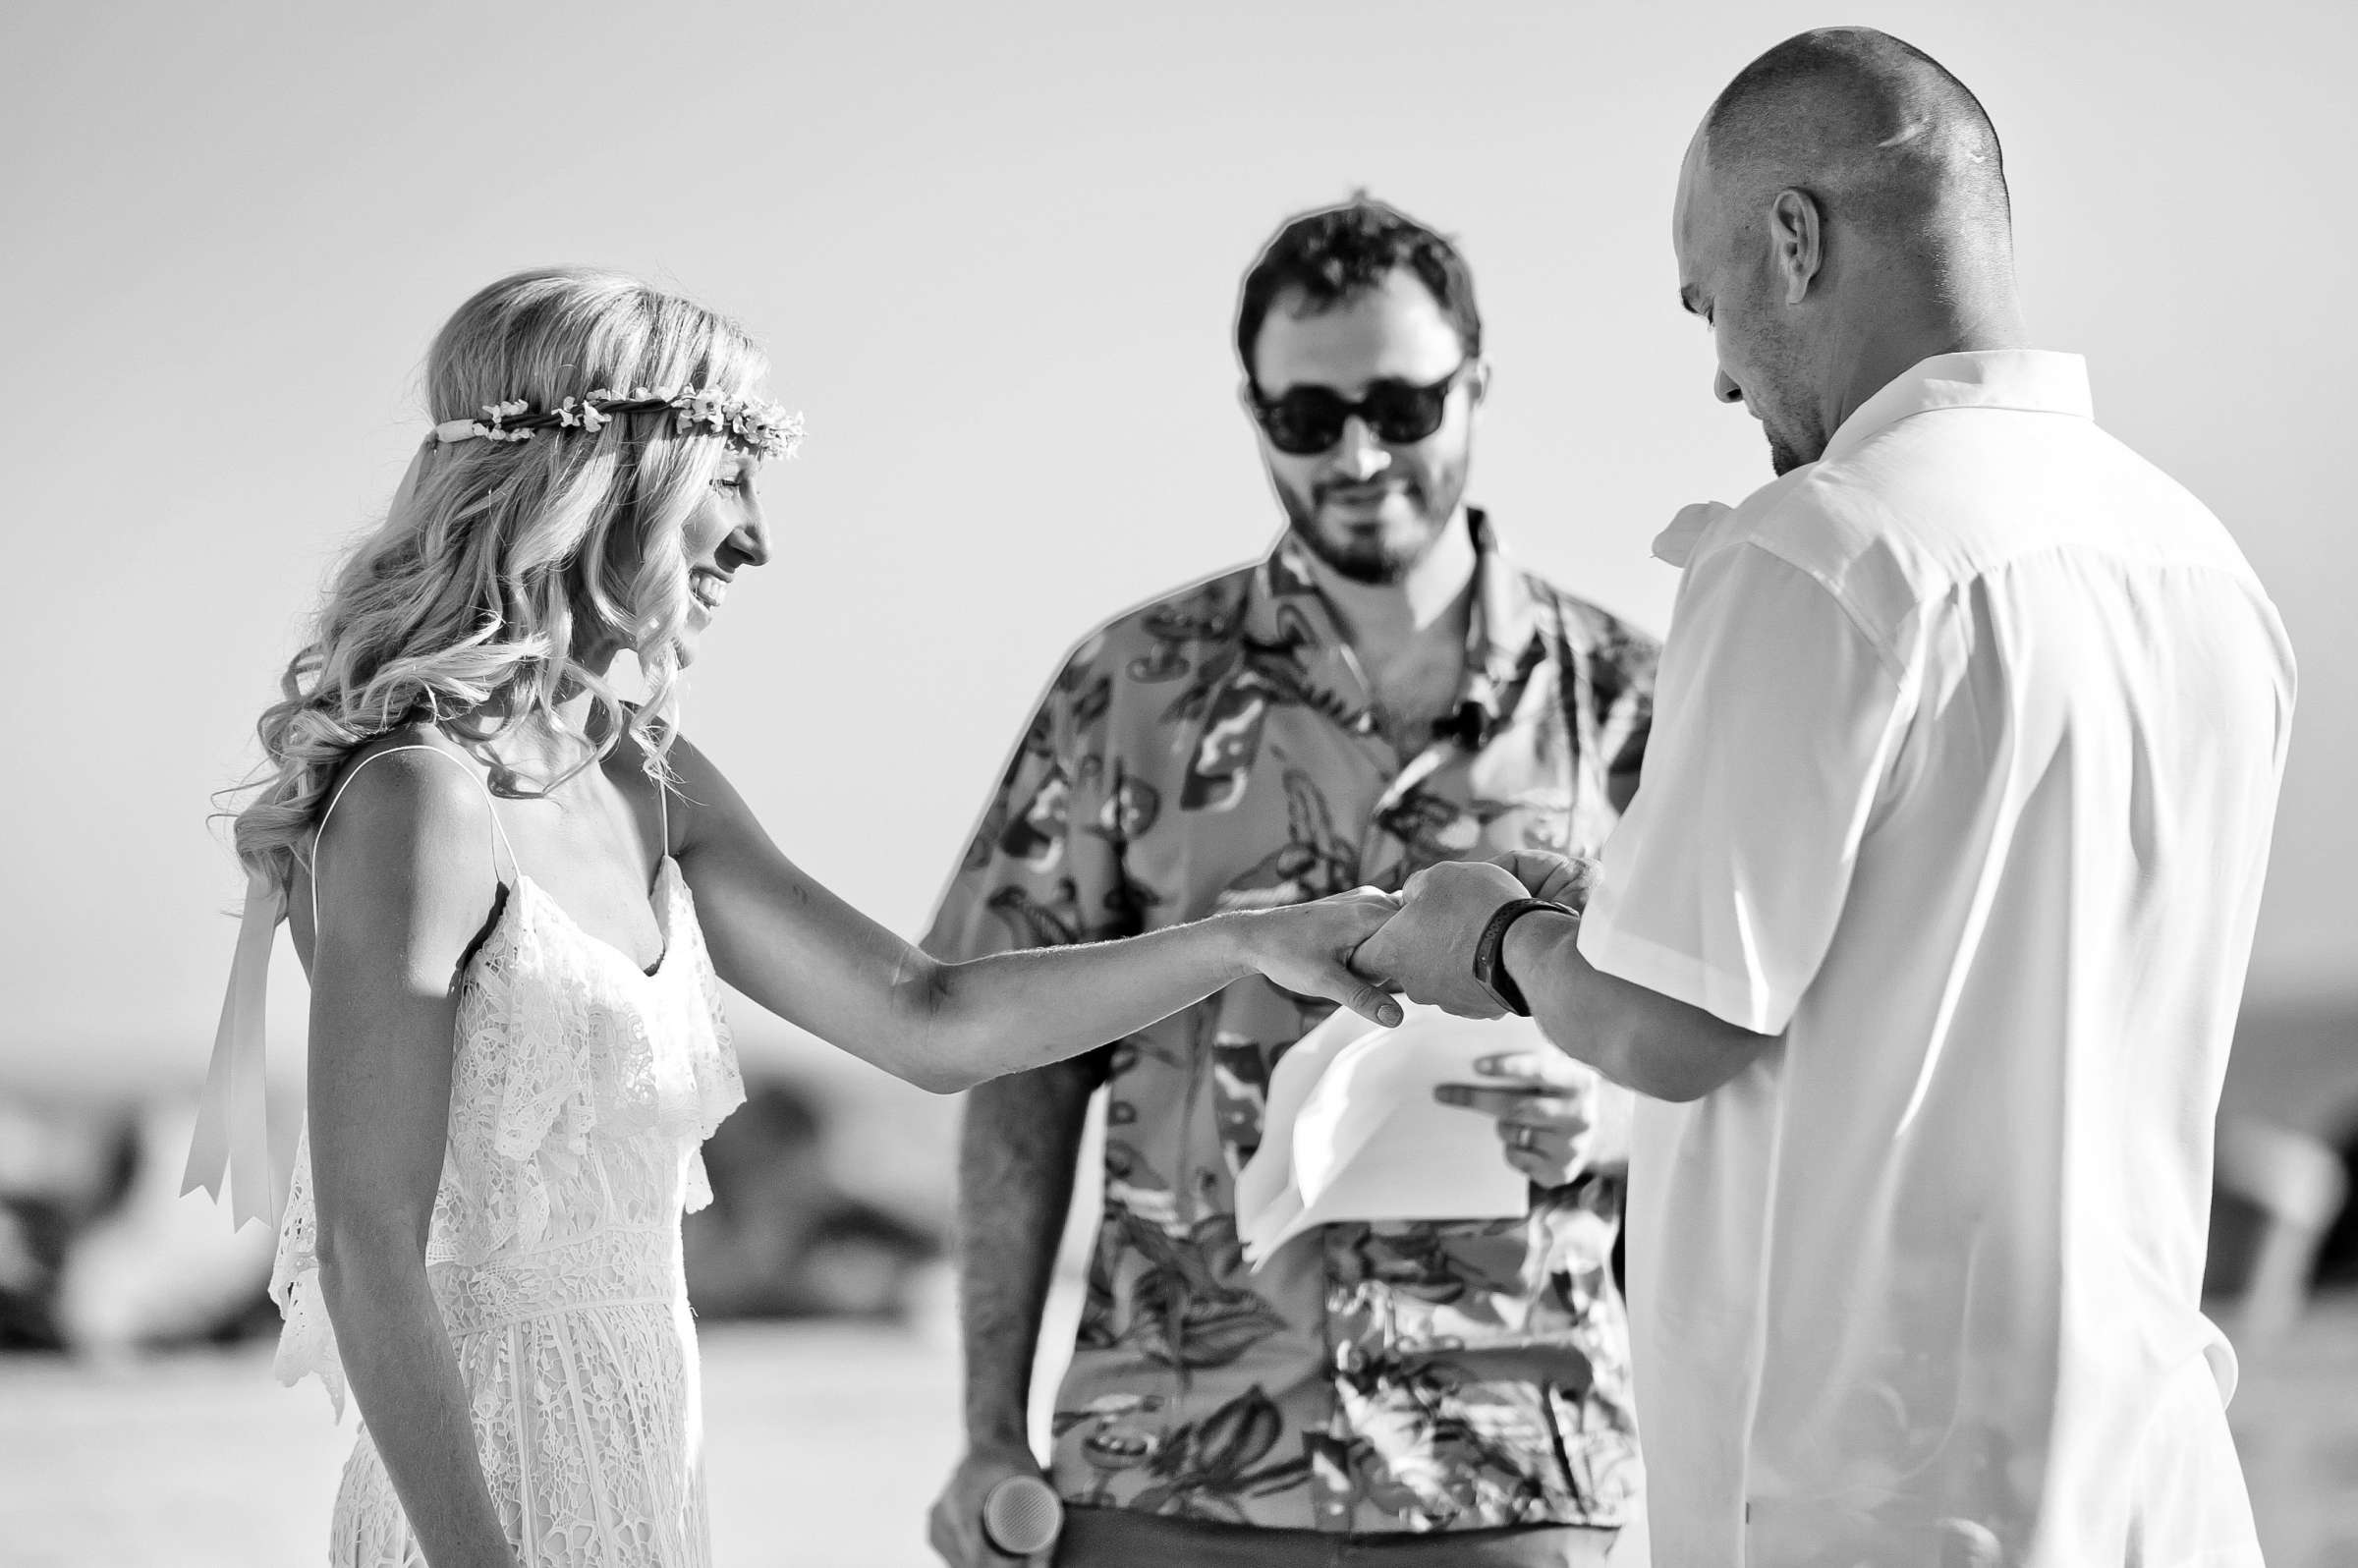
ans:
(1428, 950)
(955, 1526)
(1555, 877)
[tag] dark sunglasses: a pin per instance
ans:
(1311, 418)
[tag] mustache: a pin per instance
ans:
(1325, 491)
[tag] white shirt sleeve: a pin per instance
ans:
(1775, 719)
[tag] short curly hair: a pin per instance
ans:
(1335, 254)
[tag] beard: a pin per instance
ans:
(1378, 557)
(1776, 393)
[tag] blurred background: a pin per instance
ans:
(993, 251)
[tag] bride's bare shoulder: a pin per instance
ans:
(407, 782)
(404, 824)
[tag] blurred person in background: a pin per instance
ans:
(782, 1237)
(1386, 688)
(517, 894)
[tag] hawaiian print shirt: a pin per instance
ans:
(1216, 750)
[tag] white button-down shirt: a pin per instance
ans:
(1966, 751)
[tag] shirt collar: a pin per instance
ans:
(1676, 543)
(2028, 379)
(2031, 380)
(1284, 606)
(1507, 617)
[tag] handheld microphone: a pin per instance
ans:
(1022, 1515)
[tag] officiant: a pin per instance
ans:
(1385, 689)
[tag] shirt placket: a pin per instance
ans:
(1334, 1496)
(1351, 1314)
(1334, 1486)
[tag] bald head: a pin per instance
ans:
(1888, 142)
(1842, 215)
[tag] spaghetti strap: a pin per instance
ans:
(663, 812)
(228, 1153)
(516, 866)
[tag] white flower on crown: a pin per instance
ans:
(763, 428)
(582, 415)
(500, 413)
(766, 428)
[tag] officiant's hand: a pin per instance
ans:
(954, 1528)
(1545, 1106)
(1428, 950)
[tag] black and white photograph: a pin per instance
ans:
(1064, 785)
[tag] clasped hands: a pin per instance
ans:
(1544, 1103)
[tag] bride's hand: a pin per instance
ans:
(1307, 948)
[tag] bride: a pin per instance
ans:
(517, 895)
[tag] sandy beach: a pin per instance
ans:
(826, 1443)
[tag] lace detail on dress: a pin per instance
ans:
(306, 1343)
(581, 1089)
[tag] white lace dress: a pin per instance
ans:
(581, 1092)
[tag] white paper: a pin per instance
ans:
(1351, 1130)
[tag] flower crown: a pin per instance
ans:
(761, 427)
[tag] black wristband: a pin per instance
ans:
(1490, 952)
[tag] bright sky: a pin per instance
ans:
(993, 251)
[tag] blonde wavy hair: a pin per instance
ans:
(505, 558)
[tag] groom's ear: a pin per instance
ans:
(1477, 384)
(1797, 241)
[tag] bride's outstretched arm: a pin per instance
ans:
(807, 956)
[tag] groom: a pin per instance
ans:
(1926, 932)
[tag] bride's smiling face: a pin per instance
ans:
(722, 536)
